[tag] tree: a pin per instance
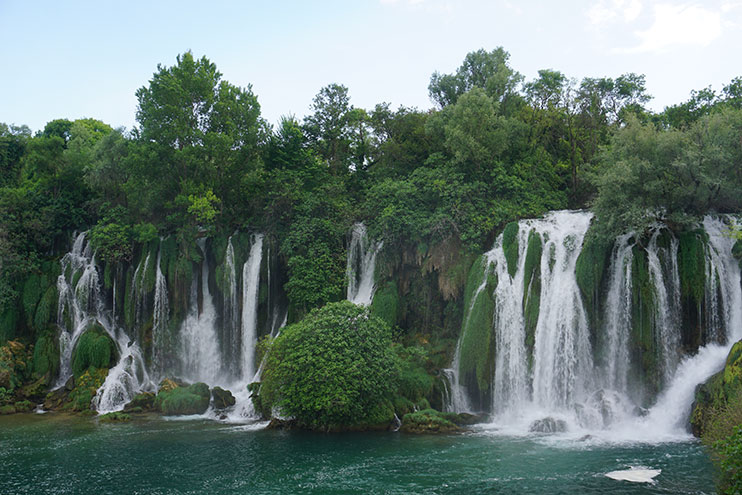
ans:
(335, 369)
(196, 132)
(481, 69)
(328, 127)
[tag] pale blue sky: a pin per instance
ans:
(76, 59)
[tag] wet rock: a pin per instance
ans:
(143, 402)
(222, 398)
(548, 425)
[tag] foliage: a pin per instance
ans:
(332, 369)
(94, 349)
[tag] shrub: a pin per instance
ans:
(335, 369)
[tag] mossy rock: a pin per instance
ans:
(193, 399)
(46, 356)
(95, 349)
(35, 391)
(222, 398)
(114, 417)
(428, 421)
(86, 386)
(590, 273)
(477, 336)
(510, 246)
(402, 406)
(142, 402)
(7, 409)
(23, 406)
(385, 304)
(717, 391)
(737, 251)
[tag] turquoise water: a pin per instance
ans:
(67, 455)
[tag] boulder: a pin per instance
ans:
(429, 421)
(193, 399)
(144, 402)
(548, 425)
(222, 398)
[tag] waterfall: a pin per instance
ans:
(455, 399)
(564, 377)
(79, 296)
(199, 346)
(139, 293)
(80, 305)
(510, 383)
(617, 327)
(361, 266)
(664, 275)
(562, 352)
(250, 286)
(161, 313)
(231, 309)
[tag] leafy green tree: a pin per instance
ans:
(328, 128)
(195, 131)
(481, 69)
(335, 369)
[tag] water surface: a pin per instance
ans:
(45, 454)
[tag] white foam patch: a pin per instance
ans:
(635, 475)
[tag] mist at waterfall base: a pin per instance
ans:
(585, 397)
(43, 454)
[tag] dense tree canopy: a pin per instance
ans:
(497, 148)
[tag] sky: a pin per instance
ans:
(79, 59)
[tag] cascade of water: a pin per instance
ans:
(199, 346)
(456, 399)
(511, 385)
(138, 288)
(78, 290)
(250, 286)
(668, 417)
(160, 316)
(665, 279)
(617, 326)
(361, 266)
(562, 362)
(230, 312)
(81, 305)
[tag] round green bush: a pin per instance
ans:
(335, 369)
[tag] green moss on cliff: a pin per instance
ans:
(590, 270)
(532, 292)
(642, 342)
(692, 265)
(386, 303)
(46, 356)
(510, 246)
(477, 339)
